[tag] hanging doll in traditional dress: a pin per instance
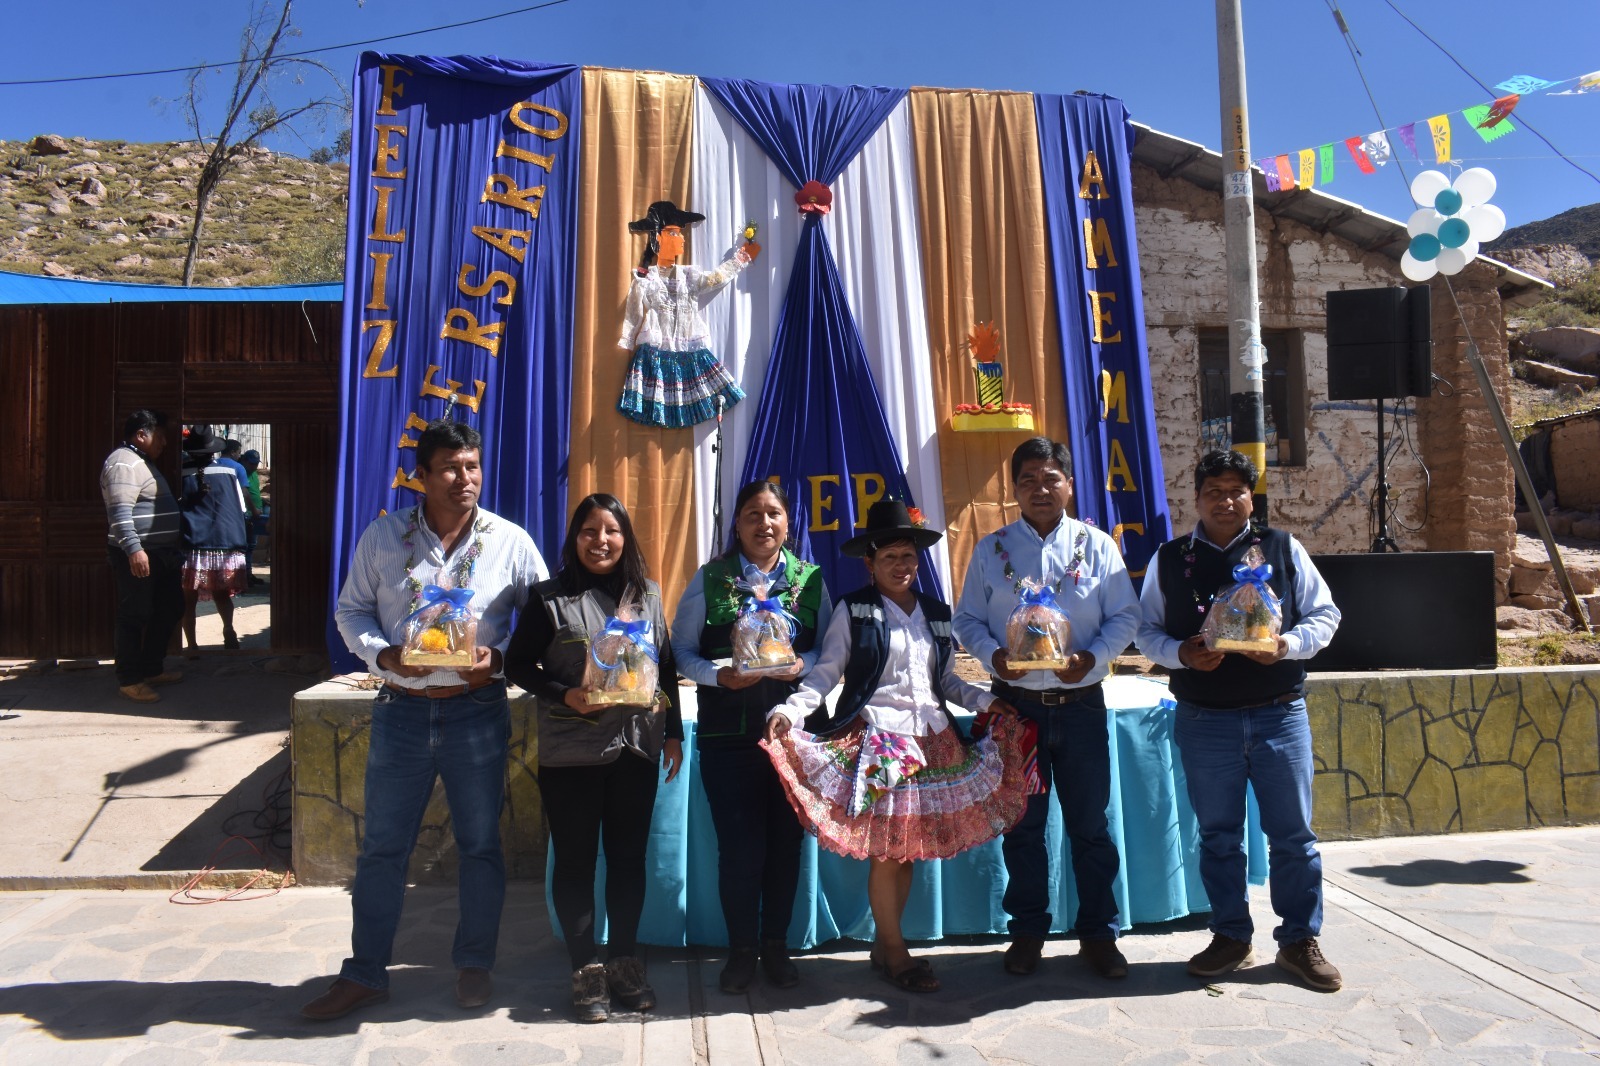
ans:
(673, 379)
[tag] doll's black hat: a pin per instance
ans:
(664, 213)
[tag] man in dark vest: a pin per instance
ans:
(1241, 717)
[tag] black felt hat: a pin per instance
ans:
(887, 522)
(201, 440)
(664, 213)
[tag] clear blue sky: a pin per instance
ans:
(1159, 56)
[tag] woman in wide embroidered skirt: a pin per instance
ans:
(673, 379)
(892, 779)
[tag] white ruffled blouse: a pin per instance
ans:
(664, 306)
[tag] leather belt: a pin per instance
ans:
(443, 692)
(1050, 697)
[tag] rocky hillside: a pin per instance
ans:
(1560, 249)
(113, 211)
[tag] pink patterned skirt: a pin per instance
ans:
(954, 797)
(210, 572)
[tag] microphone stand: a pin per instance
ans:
(716, 498)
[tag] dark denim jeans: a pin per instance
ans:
(148, 612)
(1269, 747)
(1075, 755)
(463, 742)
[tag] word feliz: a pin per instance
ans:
(459, 325)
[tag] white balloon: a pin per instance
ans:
(1475, 186)
(1417, 270)
(1470, 249)
(1453, 260)
(1424, 220)
(1427, 185)
(1487, 221)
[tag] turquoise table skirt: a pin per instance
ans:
(1151, 824)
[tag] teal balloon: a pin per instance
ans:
(1447, 202)
(1425, 247)
(1454, 232)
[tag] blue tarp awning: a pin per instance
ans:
(18, 289)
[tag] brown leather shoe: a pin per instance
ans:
(1304, 959)
(473, 987)
(1022, 957)
(1104, 958)
(342, 997)
(139, 692)
(168, 677)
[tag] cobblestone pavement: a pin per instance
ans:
(1479, 949)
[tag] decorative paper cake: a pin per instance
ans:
(991, 414)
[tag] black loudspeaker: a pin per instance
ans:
(1380, 343)
(1414, 610)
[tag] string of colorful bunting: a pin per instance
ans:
(1315, 166)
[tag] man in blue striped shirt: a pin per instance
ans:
(146, 552)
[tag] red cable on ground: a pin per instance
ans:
(187, 892)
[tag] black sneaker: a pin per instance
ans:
(776, 964)
(740, 971)
(591, 995)
(1304, 959)
(1223, 955)
(625, 975)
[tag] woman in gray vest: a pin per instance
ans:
(890, 777)
(758, 837)
(598, 765)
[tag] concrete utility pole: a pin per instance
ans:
(1239, 218)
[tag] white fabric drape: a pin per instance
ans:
(877, 245)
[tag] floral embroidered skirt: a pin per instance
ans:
(941, 798)
(209, 572)
(676, 389)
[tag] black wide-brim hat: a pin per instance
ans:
(664, 213)
(887, 522)
(202, 439)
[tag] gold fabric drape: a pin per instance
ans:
(985, 259)
(636, 150)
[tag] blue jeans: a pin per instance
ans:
(413, 740)
(1269, 747)
(1075, 754)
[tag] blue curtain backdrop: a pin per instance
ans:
(1109, 404)
(422, 180)
(819, 414)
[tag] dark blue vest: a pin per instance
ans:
(869, 650)
(1189, 589)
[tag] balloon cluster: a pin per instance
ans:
(1454, 219)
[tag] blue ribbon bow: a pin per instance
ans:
(1043, 596)
(455, 601)
(1245, 574)
(775, 606)
(638, 632)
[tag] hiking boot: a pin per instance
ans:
(739, 972)
(1104, 958)
(139, 692)
(1022, 957)
(1304, 959)
(1223, 955)
(625, 975)
(777, 965)
(590, 993)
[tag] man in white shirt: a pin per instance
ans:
(1241, 716)
(1087, 578)
(452, 724)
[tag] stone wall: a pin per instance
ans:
(1326, 502)
(328, 748)
(1407, 753)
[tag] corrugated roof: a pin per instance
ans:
(18, 289)
(1173, 156)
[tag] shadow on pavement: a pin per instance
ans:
(257, 808)
(1422, 872)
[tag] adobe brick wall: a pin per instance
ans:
(1327, 501)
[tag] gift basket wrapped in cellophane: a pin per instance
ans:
(1247, 615)
(442, 630)
(763, 632)
(622, 665)
(1038, 635)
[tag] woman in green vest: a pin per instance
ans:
(599, 764)
(758, 834)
